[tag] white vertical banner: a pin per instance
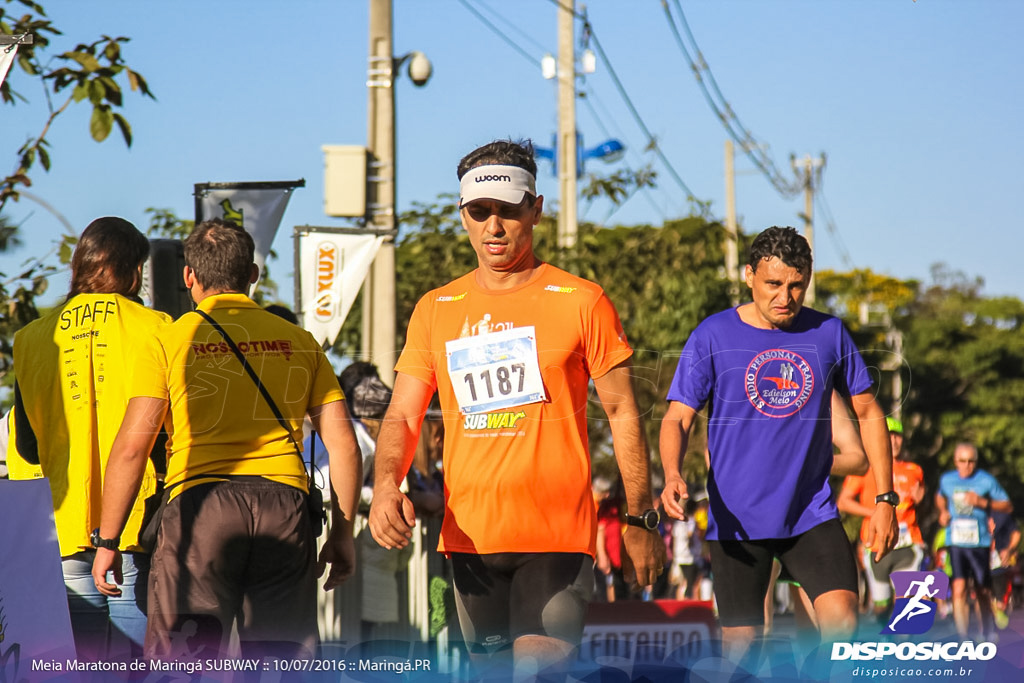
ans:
(332, 266)
(258, 207)
(7, 55)
(34, 621)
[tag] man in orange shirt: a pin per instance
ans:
(857, 498)
(510, 348)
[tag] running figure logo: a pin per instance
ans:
(914, 612)
(785, 379)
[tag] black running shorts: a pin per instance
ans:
(820, 560)
(503, 596)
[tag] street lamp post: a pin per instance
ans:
(379, 323)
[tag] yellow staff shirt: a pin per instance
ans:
(73, 368)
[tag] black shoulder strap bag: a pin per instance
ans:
(315, 498)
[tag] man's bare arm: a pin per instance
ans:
(122, 479)
(851, 458)
(332, 423)
(615, 389)
(392, 515)
(673, 441)
(943, 507)
(882, 532)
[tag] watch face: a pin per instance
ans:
(650, 518)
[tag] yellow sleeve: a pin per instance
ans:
(149, 376)
(17, 467)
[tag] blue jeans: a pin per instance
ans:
(107, 628)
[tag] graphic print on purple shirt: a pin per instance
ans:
(771, 386)
(769, 423)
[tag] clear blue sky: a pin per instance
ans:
(917, 105)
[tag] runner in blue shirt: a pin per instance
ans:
(766, 371)
(965, 499)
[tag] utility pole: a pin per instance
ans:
(379, 288)
(811, 168)
(895, 339)
(566, 148)
(732, 260)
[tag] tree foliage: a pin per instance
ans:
(95, 72)
(959, 357)
(965, 376)
(91, 72)
(663, 280)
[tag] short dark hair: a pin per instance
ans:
(107, 258)
(500, 153)
(786, 244)
(221, 255)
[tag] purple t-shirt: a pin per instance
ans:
(769, 427)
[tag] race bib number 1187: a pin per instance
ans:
(496, 370)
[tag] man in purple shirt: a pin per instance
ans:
(766, 371)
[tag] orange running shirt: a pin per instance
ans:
(904, 476)
(517, 479)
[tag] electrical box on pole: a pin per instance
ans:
(345, 180)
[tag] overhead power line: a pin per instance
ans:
(501, 34)
(716, 100)
(830, 226)
(652, 142)
(507, 22)
(588, 28)
(588, 100)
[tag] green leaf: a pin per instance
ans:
(96, 91)
(113, 93)
(44, 158)
(137, 82)
(80, 92)
(89, 63)
(126, 129)
(66, 249)
(101, 122)
(112, 51)
(34, 6)
(25, 62)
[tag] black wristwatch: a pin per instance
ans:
(100, 542)
(648, 519)
(890, 497)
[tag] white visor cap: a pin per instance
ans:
(507, 184)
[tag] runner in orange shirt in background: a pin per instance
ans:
(510, 349)
(857, 498)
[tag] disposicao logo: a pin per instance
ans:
(914, 612)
